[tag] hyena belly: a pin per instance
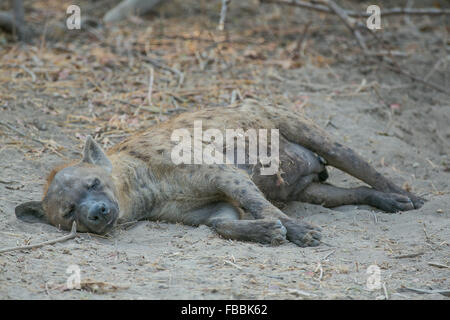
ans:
(298, 168)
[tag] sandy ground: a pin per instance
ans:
(156, 260)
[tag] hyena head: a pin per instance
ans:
(83, 192)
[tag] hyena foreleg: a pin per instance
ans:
(239, 188)
(224, 218)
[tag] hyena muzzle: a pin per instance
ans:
(138, 179)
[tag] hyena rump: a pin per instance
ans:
(137, 180)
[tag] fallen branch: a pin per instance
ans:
(8, 182)
(98, 287)
(49, 144)
(415, 78)
(385, 291)
(328, 255)
(301, 293)
(149, 93)
(301, 4)
(406, 11)
(351, 13)
(200, 39)
(349, 22)
(319, 268)
(438, 265)
(232, 264)
(294, 54)
(410, 255)
(425, 291)
(20, 133)
(129, 7)
(162, 66)
(71, 235)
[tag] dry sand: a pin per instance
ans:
(153, 260)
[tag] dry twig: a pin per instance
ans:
(386, 294)
(163, 66)
(71, 235)
(387, 12)
(20, 133)
(438, 265)
(319, 268)
(349, 22)
(445, 292)
(328, 255)
(223, 14)
(232, 264)
(298, 47)
(399, 70)
(410, 255)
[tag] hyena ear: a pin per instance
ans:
(92, 153)
(31, 212)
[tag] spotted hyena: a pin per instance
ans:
(138, 179)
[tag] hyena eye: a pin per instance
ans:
(94, 184)
(70, 212)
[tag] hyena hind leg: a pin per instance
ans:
(331, 196)
(307, 134)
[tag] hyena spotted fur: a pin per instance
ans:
(137, 179)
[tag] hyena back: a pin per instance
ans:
(137, 179)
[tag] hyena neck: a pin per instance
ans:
(136, 188)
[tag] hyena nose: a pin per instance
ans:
(98, 211)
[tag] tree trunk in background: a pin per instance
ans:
(15, 22)
(18, 11)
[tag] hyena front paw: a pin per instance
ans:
(302, 234)
(271, 232)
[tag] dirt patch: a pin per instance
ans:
(56, 93)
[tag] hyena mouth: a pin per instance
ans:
(102, 229)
